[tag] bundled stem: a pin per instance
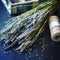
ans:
(24, 29)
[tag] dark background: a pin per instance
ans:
(43, 49)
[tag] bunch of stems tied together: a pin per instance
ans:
(21, 32)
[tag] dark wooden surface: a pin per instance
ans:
(43, 49)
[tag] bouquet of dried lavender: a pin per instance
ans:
(24, 29)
